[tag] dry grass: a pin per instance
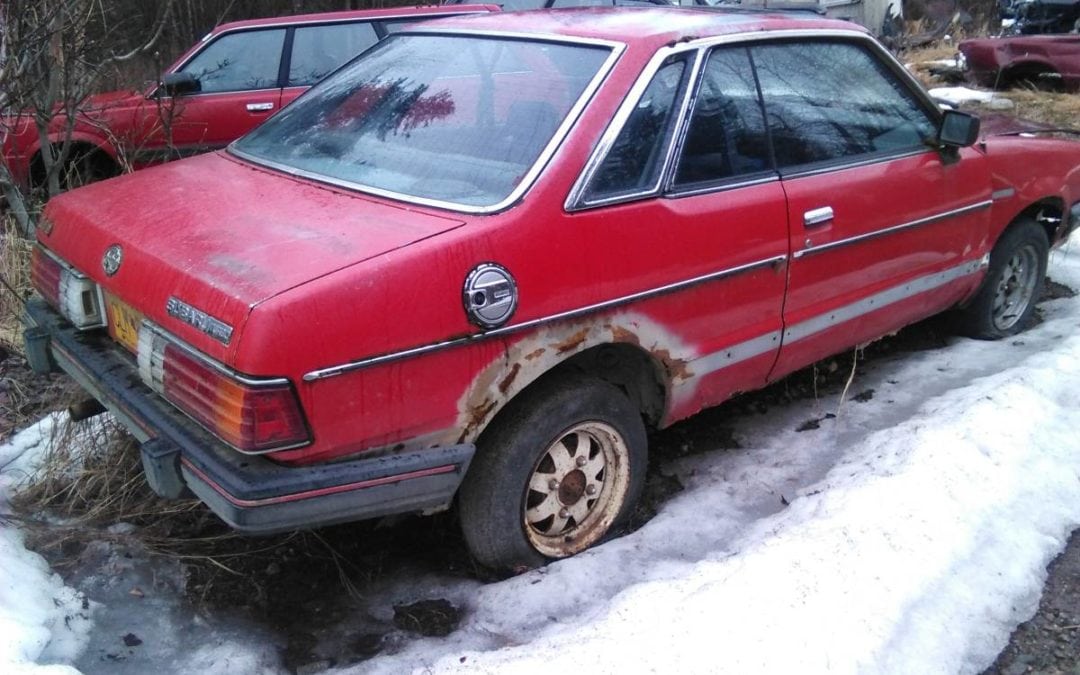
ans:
(15, 270)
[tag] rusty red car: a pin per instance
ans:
(1044, 61)
(234, 78)
(476, 265)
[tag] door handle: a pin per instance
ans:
(260, 107)
(820, 216)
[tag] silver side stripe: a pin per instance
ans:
(1005, 193)
(875, 302)
(571, 314)
(744, 351)
(737, 353)
(894, 229)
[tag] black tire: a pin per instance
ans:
(548, 422)
(1005, 303)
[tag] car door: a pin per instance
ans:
(238, 74)
(716, 238)
(882, 224)
(317, 50)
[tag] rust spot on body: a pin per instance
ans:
(620, 334)
(535, 354)
(505, 383)
(573, 342)
(676, 368)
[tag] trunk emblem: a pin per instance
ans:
(215, 328)
(490, 295)
(110, 262)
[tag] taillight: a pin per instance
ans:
(76, 296)
(251, 415)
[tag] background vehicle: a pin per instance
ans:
(479, 262)
(233, 79)
(1045, 61)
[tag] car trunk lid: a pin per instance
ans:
(222, 246)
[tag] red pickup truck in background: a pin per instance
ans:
(221, 88)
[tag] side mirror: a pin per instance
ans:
(178, 84)
(958, 129)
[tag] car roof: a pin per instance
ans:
(640, 24)
(323, 17)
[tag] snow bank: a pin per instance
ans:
(42, 621)
(958, 95)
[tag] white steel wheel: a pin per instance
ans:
(558, 470)
(576, 489)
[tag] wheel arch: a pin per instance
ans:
(1048, 213)
(80, 144)
(625, 353)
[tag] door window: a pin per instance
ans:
(319, 50)
(726, 137)
(828, 101)
(239, 61)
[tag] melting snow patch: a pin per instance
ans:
(42, 621)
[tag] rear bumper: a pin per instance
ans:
(252, 494)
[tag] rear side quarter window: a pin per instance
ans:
(319, 50)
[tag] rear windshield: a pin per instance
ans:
(451, 118)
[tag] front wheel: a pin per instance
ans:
(1005, 303)
(559, 468)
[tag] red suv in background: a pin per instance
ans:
(224, 86)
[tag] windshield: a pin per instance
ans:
(450, 118)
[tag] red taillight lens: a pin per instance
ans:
(249, 415)
(45, 274)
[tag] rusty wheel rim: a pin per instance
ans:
(576, 489)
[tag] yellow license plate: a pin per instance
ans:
(124, 323)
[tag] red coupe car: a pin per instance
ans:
(479, 262)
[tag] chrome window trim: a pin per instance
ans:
(574, 200)
(332, 371)
(616, 50)
(722, 185)
(810, 250)
(842, 164)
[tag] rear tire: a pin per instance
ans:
(1005, 303)
(560, 468)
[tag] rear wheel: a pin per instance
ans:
(1005, 304)
(555, 473)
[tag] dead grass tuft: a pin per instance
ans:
(15, 269)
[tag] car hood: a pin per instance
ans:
(222, 236)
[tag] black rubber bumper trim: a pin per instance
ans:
(251, 493)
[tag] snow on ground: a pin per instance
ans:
(919, 528)
(959, 95)
(42, 621)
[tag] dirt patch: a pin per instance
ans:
(1050, 641)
